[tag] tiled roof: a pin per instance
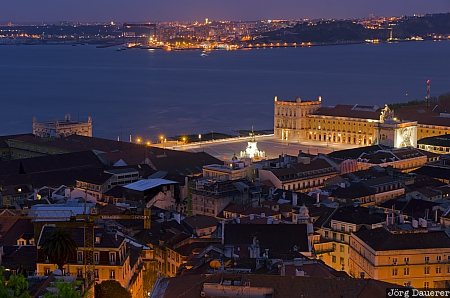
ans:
(317, 167)
(354, 153)
(436, 141)
(354, 191)
(435, 172)
(20, 227)
(278, 238)
(200, 221)
(358, 215)
(351, 111)
(382, 239)
(107, 240)
(43, 164)
(423, 115)
(188, 286)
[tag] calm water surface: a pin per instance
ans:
(148, 93)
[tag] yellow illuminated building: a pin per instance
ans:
(113, 260)
(416, 258)
(334, 248)
(358, 125)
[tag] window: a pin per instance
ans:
(112, 257)
(427, 259)
(406, 260)
(405, 271)
(333, 259)
(394, 272)
(342, 237)
(47, 271)
(334, 246)
(341, 260)
(394, 261)
(438, 270)
(79, 256)
(96, 257)
(112, 274)
(79, 272)
(341, 248)
(326, 234)
(426, 285)
(427, 270)
(439, 258)
(96, 274)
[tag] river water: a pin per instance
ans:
(148, 93)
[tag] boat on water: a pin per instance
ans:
(204, 54)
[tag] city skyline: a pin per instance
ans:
(171, 10)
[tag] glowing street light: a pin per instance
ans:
(138, 140)
(161, 138)
(148, 143)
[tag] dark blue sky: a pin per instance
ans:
(147, 10)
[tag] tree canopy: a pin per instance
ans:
(59, 247)
(111, 289)
(15, 287)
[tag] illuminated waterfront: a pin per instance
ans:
(147, 93)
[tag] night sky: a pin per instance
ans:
(161, 10)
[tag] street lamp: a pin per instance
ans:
(138, 140)
(161, 138)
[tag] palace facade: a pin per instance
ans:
(62, 128)
(359, 125)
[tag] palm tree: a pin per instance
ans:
(59, 247)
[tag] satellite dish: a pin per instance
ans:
(215, 264)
